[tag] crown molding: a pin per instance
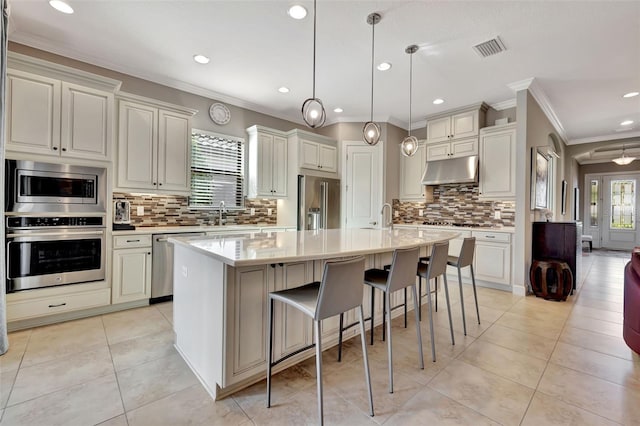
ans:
(604, 138)
(517, 86)
(499, 106)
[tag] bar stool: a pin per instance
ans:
(465, 259)
(400, 275)
(436, 266)
(340, 291)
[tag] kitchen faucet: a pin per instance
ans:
(222, 209)
(388, 224)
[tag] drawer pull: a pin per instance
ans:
(133, 241)
(489, 236)
(58, 305)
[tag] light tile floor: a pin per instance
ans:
(530, 362)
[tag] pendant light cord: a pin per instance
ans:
(314, 49)
(373, 41)
(410, 87)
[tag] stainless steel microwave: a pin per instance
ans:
(34, 187)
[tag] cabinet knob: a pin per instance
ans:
(55, 148)
(154, 184)
(64, 149)
(149, 253)
(160, 184)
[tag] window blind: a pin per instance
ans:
(217, 170)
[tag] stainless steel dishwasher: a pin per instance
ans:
(162, 272)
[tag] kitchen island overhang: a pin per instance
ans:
(221, 287)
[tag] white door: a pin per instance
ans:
(620, 209)
(363, 189)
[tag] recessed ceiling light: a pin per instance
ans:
(438, 101)
(297, 11)
(630, 94)
(384, 66)
(283, 89)
(201, 59)
(626, 123)
(338, 109)
(61, 6)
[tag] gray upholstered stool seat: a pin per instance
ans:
(339, 291)
(588, 239)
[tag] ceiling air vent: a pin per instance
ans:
(490, 47)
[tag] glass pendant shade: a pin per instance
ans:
(409, 146)
(624, 160)
(313, 113)
(371, 133)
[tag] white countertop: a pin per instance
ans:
(196, 228)
(280, 247)
(507, 229)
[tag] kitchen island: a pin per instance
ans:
(221, 287)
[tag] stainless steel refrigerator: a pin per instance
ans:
(318, 203)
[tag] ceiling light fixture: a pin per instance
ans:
(297, 11)
(626, 123)
(371, 131)
(338, 110)
(438, 101)
(384, 66)
(61, 6)
(409, 145)
(313, 112)
(630, 94)
(201, 59)
(623, 160)
(283, 89)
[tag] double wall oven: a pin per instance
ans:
(55, 224)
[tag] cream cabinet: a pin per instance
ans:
(154, 147)
(492, 261)
(318, 156)
(497, 174)
(453, 149)
(267, 163)
(52, 117)
(458, 125)
(131, 277)
(411, 171)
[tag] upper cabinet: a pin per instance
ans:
(57, 111)
(318, 156)
(455, 133)
(411, 171)
(154, 146)
(453, 149)
(497, 174)
(266, 163)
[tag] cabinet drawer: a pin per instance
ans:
(499, 237)
(57, 304)
(130, 241)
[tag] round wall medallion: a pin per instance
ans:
(220, 114)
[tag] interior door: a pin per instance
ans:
(363, 188)
(620, 212)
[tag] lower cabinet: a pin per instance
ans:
(131, 278)
(492, 261)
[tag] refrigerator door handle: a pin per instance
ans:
(324, 196)
(301, 205)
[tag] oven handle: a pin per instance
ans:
(52, 235)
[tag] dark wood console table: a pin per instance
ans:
(560, 241)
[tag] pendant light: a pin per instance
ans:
(312, 109)
(409, 145)
(371, 131)
(623, 160)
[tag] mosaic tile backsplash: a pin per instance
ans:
(457, 203)
(173, 210)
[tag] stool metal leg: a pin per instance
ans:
(366, 359)
(464, 321)
(270, 352)
(319, 368)
(446, 294)
(430, 311)
(419, 297)
(475, 294)
(405, 307)
(389, 355)
(384, 316)
(435, 294)
(373, 293)
(415, 306)
(340, 337)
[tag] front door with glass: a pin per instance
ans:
(620, 204)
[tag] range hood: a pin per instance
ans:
(454, 170)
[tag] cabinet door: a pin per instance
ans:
(328, 158)
(266, 167)
(280, 167)
(87, 120)
(131, 274)
(464, 124)
(439, 130)
(137, 146)
(493, 262)
(309, 154)
(411, 171)
(497, 165)
(174, 153)
(33, 114)
(293, 329)
(438, 151)
(462, 148)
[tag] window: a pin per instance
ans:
(623, 201)
(593, 205)
(217, 170)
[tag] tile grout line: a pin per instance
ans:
(115, 373)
